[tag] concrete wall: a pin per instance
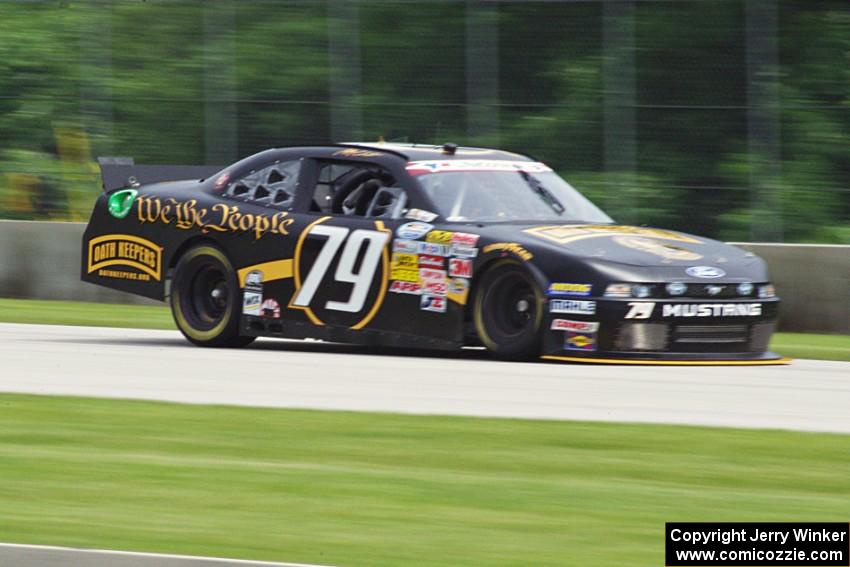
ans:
(814, 283)
(41, 260)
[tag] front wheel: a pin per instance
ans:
(508, 312)
(205, 299)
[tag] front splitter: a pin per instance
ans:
(645, 362)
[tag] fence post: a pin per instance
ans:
(220, 121)
(763, 130)
(482, 73)
(619, 128)
(96, 75)
(344, 68)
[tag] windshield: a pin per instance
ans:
(502, 191)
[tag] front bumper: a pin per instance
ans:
(683, 331)
(767, 359)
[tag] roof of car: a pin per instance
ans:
(422, 152)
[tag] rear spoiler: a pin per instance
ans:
(118, 172)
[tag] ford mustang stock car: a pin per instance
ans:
(422, 246)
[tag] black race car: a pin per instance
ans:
(421, 246)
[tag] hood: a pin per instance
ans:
(641, 252)
(634, 245)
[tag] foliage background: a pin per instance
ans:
(702, 115)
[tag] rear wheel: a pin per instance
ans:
(508, 312)
(205, 299)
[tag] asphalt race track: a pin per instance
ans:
(17, 555)
(160, 365)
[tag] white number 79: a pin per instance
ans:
(362, 280)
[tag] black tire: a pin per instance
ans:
(206, 299)
(508, 311)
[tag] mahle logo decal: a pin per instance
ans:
(125, 250)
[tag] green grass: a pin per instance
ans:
(795, 345)
(808, 345)
(381, 489)
(86, 314)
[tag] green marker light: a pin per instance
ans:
(121, 202)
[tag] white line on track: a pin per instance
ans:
(160, 365)
(22, 555)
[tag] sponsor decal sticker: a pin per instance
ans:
(253, 296)
(712, 310)
(429, 261)
(572, 306)
(420, 215)
(412, 288)
(562, 289)
(662, 249)
(509, 248)
(433, 303)
(127, 251)
(460, 268)
(251, 303)
(431, 274)
(465, 239)
(413, 230)
(270, 308)
(458, 290)
(439, 236)
(577, 326)
(580, 341)
(404, 274)
(254, 278)
(708, 272)
(406, 246)
(435, 287)
(464, 251)
(436, 166)
(219, 218)
(405, 261)
(433, 249)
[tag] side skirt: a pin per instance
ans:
(275, 328)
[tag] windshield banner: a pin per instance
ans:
(423, 167)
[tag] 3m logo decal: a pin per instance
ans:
(125, 250)
(460, 268)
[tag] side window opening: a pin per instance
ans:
(274, 185)
(346, 189)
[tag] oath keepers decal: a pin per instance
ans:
(124, 250)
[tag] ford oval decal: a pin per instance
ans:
(705, 272)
